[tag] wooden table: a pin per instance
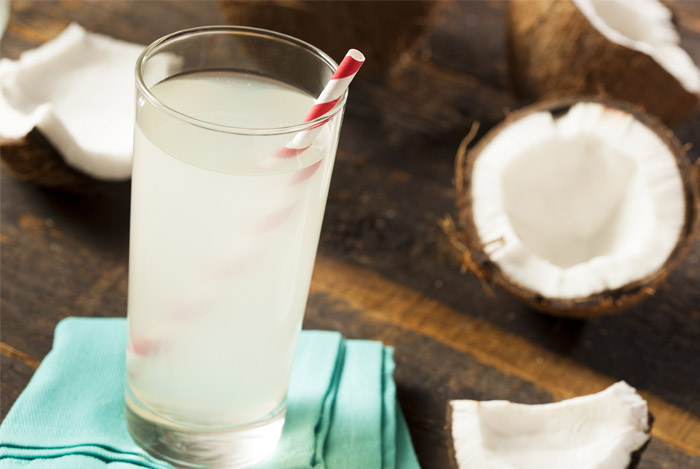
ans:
(384, 269)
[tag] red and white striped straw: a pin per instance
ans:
(330, 95)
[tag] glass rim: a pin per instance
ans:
(225, 29)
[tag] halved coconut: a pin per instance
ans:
(607, 430)
(74, 93)
(617, 48)
(576, 208)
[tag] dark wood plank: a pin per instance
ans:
(381, 300)
(14, 376)
(659, 455)
(429, 373)
(478, 29)
(32, 23)
(69, 256)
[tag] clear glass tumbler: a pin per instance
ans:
(224, 231)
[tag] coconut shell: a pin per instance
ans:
(381, 30)
(35, 160)
(474, 258)
(555, 52)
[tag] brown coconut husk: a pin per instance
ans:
(470, 248)
(554, 52)
(381, 30)
(34, 159)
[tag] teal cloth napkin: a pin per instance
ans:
(341, 408)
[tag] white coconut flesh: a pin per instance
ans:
(78, 90)
(576, 205)
(598, 431)
(645, 26)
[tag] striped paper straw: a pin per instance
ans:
(330, 95)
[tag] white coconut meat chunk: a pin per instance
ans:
(78, 91)
(578, 204)
(598, 431)
(645, 26)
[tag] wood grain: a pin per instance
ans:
(429, 373)
(385, 301)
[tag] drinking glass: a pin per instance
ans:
(224, 231)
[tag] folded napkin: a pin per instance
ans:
(341, 407)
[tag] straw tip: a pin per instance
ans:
(356, 54)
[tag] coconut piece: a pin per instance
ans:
(381, 30)
(624, 50)
(75, 92)
(576, 208)
(607, 430)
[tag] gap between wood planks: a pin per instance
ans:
(382, 300)
(10, 351)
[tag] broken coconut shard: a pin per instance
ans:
(607, 430)
(616, 48)
(76, 93)
(576, 208)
